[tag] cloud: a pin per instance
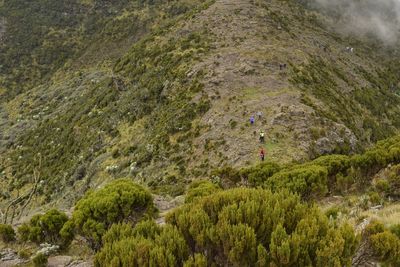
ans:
(378, 18)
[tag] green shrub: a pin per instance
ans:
(333, 212)
(333, 173)
(200, 188)
(25, 254)
(7, 233)
(260, 173)
(238, 227)
(119, 201)
(343, 182)
(45, 228)
(395, 229)
(227, 174)
(67, 234)
(23, 232)
(40, 260)
(386, 247)
(307, 181)
(333, 163)
(394, 182)
(163, 247)
(379, 245)
(374, 227)
(197, 260)
(375, 198)
(382, 186)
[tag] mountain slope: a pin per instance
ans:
(176, 104)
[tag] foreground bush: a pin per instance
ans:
(378, 244)
(44, 228)
(257, 175)
(40, 260)
(331, 173)
(120, 201)
(239, 227)
(7, 233)
(199, 189)
(308, 181)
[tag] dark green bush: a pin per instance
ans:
(45, 228)
(333, 173)
(238, 227)
(332, 212)
(200, 188)
(24, 232)
(7, 233)
(162, 247)
(379, 244)
(386, 247)
(395, 229)
(394, 182)
(40, 260)
(25, 253)
(227, 174)
(258, 174)
(308, 181)
(382, 186)
(119, 201)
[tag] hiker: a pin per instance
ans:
(262, 154)
(259, 114)
(262, 136)
(252, 120)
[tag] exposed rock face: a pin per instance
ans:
(67, 261)
(9, 257)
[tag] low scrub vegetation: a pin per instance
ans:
(45, 228)
(238, 227)
(119, 201)
(7, 233)
(326, 174)
(199, 189)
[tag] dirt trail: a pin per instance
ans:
(244, 77)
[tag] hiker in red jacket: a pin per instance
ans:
(262, 154)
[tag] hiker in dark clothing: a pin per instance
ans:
(252, 120)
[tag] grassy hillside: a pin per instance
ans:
(163, 92)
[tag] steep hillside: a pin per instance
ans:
(163, 93)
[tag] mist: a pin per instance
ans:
(367, 18)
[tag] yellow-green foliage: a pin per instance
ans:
(40, 260)
(385, 245)
(44, 228)
(328, 173)
(199, 189)
(119, 201)
(238, 227)
(308, 181)
(257, 175)
(7, 233)
(163, 247)
(390, 185)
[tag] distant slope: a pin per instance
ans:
(169, 100)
